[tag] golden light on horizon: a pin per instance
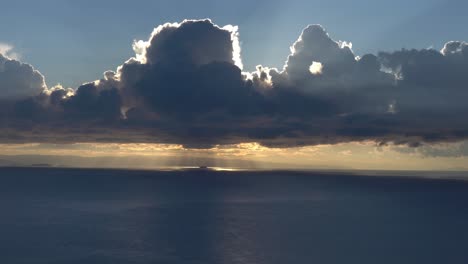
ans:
(363, 155)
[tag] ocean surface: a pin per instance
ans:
(89, 216)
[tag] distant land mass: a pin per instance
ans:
(41, 165)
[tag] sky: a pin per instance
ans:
(86, 78)
(97, 35)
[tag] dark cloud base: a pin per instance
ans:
(185, 86)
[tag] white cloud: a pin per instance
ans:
(7, 51)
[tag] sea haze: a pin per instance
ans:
(58, 215)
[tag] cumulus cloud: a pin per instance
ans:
(7, 50)
(19, 79)
(185, 85)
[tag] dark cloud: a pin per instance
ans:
(444, 150)
(90, 103)
(185, 85)
(19, 80)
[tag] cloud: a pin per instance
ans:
(444, 150)
(19, 79)
(7, 51)
(185, 85)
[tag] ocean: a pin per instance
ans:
(98, 216)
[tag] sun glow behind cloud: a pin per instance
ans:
(316, 68)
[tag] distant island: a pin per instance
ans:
(44, 165)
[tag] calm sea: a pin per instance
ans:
(51, 215)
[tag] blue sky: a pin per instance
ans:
(75, 41)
